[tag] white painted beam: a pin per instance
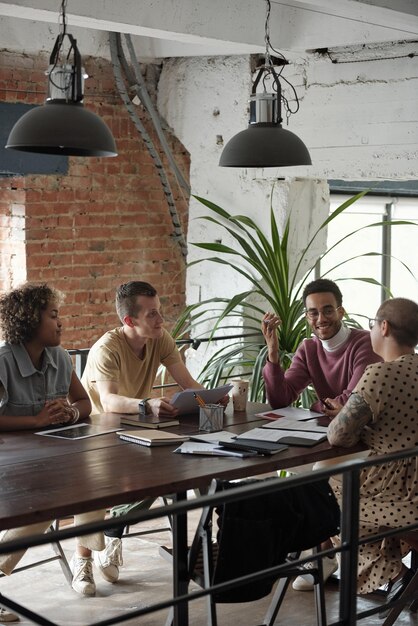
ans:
(199, 27)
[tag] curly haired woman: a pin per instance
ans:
(38, 388)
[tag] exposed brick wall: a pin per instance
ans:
(104, 223)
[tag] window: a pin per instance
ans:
(362, 299)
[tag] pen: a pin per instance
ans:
(326, 404)
(199, 400)
(202, 405)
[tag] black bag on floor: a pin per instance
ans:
(258, 532)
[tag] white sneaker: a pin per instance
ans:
(83, 581)
(305, 582)
(110, 559)
(8, 616)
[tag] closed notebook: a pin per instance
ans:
(151, 437)
(148, 421)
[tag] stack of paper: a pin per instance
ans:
(211, 449)
(292, 412)
(289, 424)
(279, 435)
(228, 441)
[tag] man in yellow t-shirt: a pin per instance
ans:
(119, 375)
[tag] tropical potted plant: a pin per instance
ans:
(263, 259)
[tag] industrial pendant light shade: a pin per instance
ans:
(62, 125)
(265, 143)
(58, 127)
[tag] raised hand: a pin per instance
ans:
(269, 325)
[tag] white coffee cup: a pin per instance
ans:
(239, 394)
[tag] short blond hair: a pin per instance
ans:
(402, 315)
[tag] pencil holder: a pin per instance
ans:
(211, 417)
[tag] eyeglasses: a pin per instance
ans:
(326, 311)
(372, 322)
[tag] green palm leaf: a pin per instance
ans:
(263, 259)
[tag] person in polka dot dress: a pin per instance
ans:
(382, 412)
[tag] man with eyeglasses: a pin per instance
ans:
(332, 361)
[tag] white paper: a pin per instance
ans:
(217, 437)
(77, 431)
(185, 401)
(194, 447)
(292, 412)
(273, 434)
(289, 424)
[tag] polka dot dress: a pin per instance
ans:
(388, 493)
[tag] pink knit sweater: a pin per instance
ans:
(332, 374)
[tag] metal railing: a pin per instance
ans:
(350, 539)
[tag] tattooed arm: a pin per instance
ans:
(346, 427)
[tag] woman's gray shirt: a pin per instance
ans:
(24, 389)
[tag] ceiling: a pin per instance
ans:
(167, 28)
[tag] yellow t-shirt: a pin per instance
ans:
(111, 359)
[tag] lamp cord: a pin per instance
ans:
(63, 18)
(73, 77)
(270, 69)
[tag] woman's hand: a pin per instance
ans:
(269, 325)
(57, 411)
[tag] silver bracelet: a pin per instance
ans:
(76, 414)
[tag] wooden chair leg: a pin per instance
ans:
(280, 592)
(139, 533)
(411, 592)
(276, 602)
(207, 574)
(56, 546)
(59, 556)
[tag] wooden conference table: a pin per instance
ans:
(45, 478)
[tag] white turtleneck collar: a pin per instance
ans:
(333, 344)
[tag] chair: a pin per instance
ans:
(273, 528)
(409, 596)
(59, 556)
(139, 533)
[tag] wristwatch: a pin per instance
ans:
(143, 406)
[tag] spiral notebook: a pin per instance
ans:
(151, 438)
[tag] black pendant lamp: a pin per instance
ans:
(265, 143)
(62, 125)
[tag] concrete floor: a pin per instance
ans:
(146, 578)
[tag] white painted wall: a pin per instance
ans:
(358, 118)
(205, 100)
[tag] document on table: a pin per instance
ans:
(292, 412)
(301, 438)
(210, 449)
(220, 436)
(289, 424)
